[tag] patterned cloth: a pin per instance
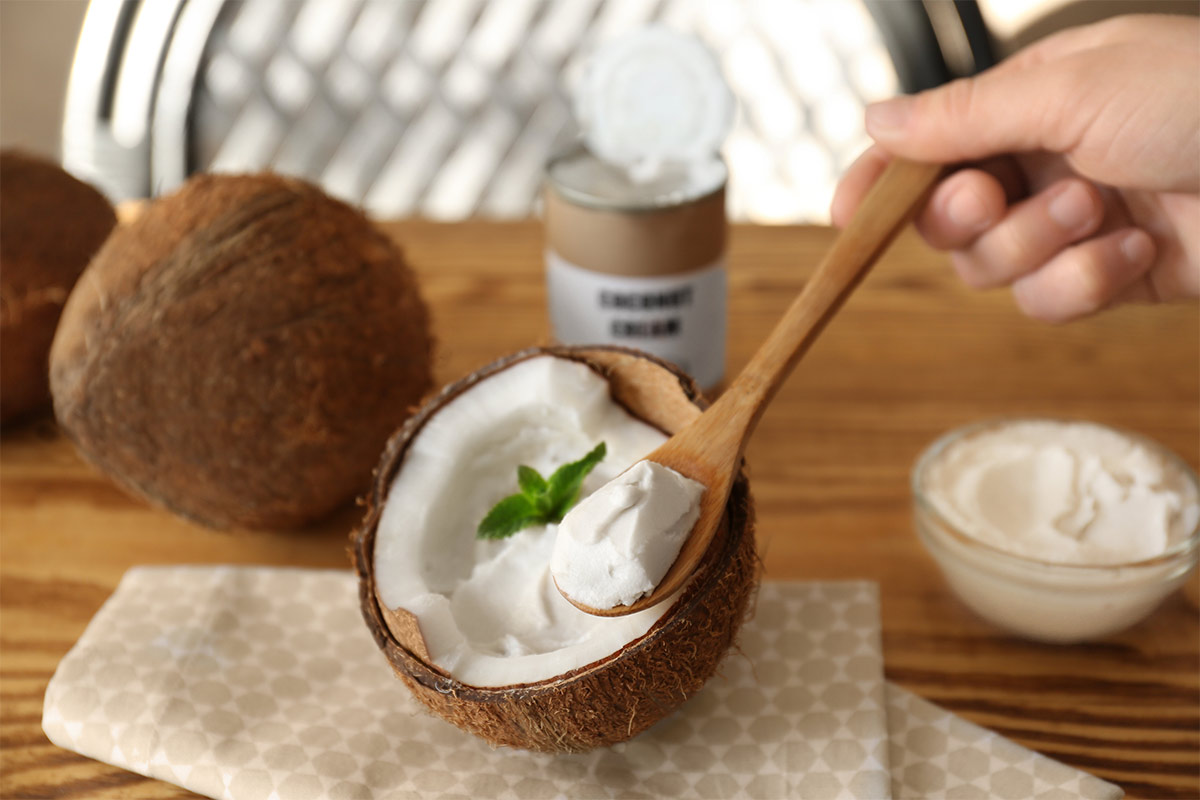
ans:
(248, 683)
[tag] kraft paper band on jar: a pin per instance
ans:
(639, 264)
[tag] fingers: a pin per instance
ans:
(993, 183)
(961, 208)
(1040, 246)
(1086, 277)
(998, 111)
(1031, 233)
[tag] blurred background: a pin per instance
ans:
(448, 109)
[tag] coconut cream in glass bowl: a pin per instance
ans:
(1059, 531)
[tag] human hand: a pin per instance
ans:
(1082, 180)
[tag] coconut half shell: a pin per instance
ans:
(619, 696)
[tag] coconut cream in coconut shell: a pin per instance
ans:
(617, 676)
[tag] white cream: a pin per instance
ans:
(616, 544)
(489, 610)
(1064, 492)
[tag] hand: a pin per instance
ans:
(1082, 180)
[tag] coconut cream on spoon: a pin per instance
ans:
(617, 544)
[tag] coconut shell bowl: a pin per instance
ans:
(623, 693)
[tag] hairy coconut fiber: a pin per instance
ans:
(50, 225)
(241, 351)
(617, 697)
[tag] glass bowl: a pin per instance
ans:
(1044, 600)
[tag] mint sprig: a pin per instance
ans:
(541, 500)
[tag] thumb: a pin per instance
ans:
(997, 112)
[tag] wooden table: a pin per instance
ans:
(912, 355)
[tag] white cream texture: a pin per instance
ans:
(616, 545)
(489, 610)
(1065, 492)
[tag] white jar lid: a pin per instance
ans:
(652, 96)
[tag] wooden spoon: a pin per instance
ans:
(710, 448)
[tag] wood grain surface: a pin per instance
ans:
(912, 355)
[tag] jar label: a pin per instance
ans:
(679, 318)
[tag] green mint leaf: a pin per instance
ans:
(507, 517)
(540, 500)
(532, 484)
(567, 480)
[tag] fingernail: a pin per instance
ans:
(1073, 208)
(967, 210)
(1137, 247)
(888, 116)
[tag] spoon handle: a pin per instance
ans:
(883, 213)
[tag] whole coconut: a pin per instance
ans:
(50, 225)
(240, 353)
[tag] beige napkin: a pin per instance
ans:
(264, 683)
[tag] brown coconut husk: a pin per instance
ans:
(617, 697)
(240, 352)
(50, 226)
